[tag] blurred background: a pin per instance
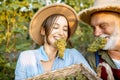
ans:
(15, 16)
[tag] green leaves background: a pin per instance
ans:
(15, 16)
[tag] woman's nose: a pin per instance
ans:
(61, 32)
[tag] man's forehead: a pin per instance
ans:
(101, 18)
(106, 13)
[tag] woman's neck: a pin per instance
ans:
(50, 51)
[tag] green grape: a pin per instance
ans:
(70, 77)
(61, 78)
(80, 76)
(97, 44)
(61, 44)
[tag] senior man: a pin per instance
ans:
(104, 18)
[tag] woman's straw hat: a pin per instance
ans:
(99, 5)
(42, 14)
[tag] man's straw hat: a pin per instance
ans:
(43, 13)
(99, 5)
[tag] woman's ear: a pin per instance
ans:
(42, 32)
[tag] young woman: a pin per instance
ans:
(51, 23)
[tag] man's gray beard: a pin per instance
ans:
(113, 39)
(110, 45)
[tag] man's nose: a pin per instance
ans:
(98, 32)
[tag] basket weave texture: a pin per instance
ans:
(74, 72)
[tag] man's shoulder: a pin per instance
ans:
(90, 55)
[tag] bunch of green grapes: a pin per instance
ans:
(80, 76)
(61, 45)
(97, 44)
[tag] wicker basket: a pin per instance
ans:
(74, 72)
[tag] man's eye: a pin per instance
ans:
(103, 26)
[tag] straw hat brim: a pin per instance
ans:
(43, 13)
(85, 15)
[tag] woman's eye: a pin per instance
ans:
(65, 29)
(55, 27)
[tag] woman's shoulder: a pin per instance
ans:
(72, 51)
(28, 57)
(28, 54)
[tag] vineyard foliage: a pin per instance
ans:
(14, 26)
